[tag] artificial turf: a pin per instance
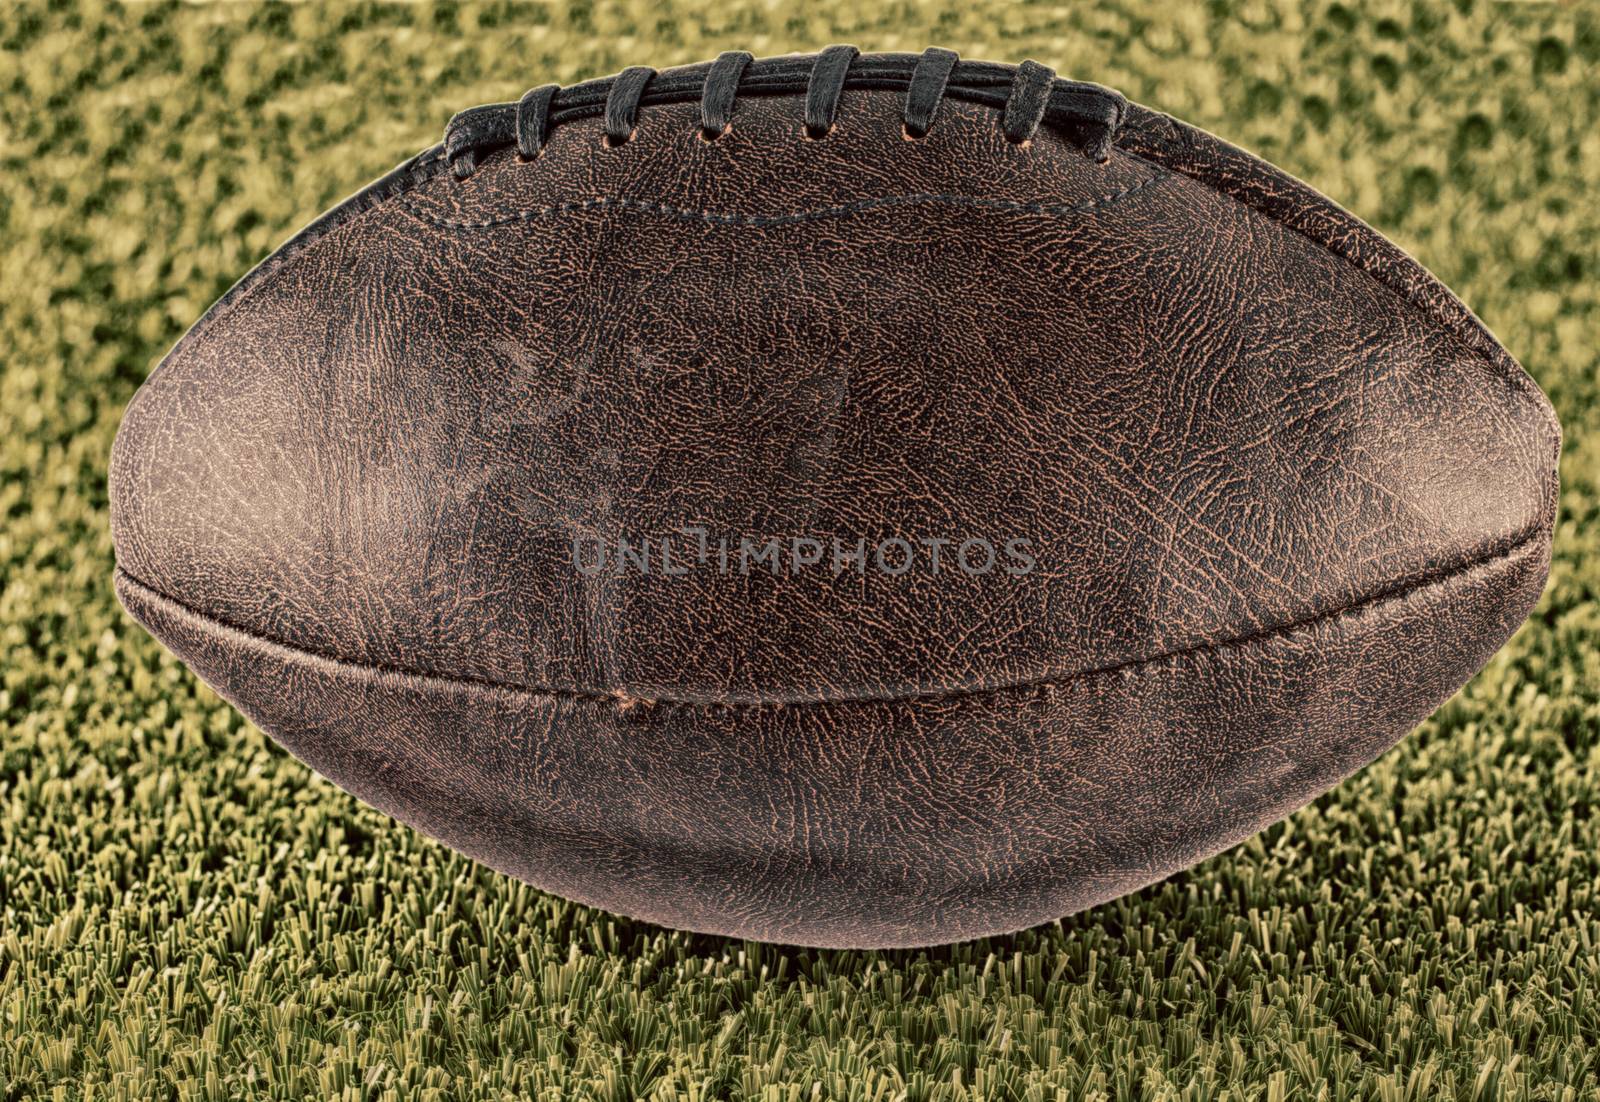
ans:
(186, 912)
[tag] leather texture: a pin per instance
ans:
(1284, 494)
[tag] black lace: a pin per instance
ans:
(722, 87)
(533, 119)
(1033, 96)
(928, 82)
(622, 103)
(825, 87)
(1030, 95)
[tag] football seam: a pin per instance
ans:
(626, 699)
(841, 210)
(431, 163)
(1457, 329)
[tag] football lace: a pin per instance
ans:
(1028, 96)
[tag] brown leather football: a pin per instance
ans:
(848, 500)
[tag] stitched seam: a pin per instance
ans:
(430, 163)
(1129, 668)
(842, 210)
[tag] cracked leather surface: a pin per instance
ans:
(1285, 497)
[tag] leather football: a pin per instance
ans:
(848, 500)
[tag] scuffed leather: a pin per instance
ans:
(1284, 493)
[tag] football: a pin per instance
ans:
(846, 500)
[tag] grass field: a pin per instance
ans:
(186, 912)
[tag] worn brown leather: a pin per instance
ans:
(1285, 495)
